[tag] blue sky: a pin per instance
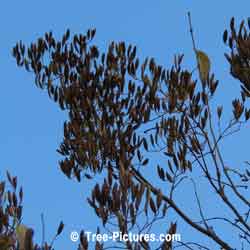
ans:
(32, 125)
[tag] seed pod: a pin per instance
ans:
(203, 65)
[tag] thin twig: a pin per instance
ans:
(199, 204)
(191, 31)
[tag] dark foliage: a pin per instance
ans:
(120, 110)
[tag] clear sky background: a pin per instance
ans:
(31, 125)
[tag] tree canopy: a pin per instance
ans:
(121, 110)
